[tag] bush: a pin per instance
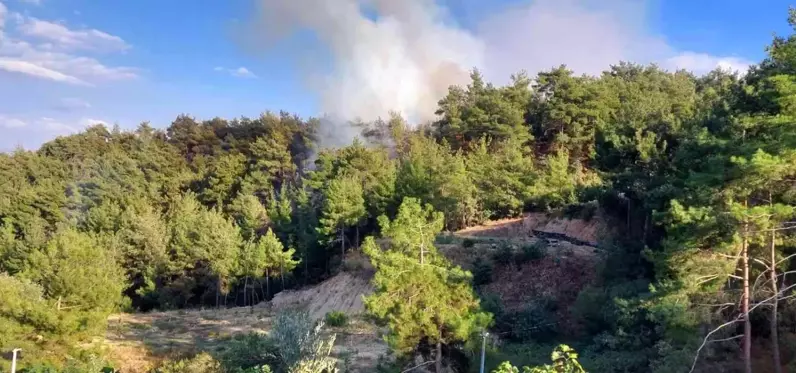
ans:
(246, 351)
(564, 358)
(468, 243)
(537, 322)
(336, 318)
(300, 342)
(533, 252)
(505, 254)
(202, 363)
(491, 303)
(482, 271)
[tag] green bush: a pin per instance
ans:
(534, 323)
(564, 358)
(491, 303)
(201, 363)
(336, 319)
(246, 351)
(468, 243)
(505, 254)
(482, 271)
(533, 252)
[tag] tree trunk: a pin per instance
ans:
(646, 227)
(267, 285)
(774, 306)
(747, 325)
(282, 273)
(245, 285)
(306, 266)
(357, 239)
(218, 292)
(342, 245)
(262, 291)
(438, 363)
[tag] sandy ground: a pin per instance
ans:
(343, 292)
(138, 342)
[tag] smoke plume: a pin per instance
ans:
(402, 55)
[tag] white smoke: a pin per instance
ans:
(403, 61)
(402, 55)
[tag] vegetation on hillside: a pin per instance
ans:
(698, 170)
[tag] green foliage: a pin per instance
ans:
(336, 318)
(411, 269)
(682, 167)
(484, 110)
(245, 352)
(504, 254)
(249, 214)
(75, 269)
(536, 322)
(482, 271)
(301, 345)
(201, 363)
(565, 360)
(344, 206)
(533, 252)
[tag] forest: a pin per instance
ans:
(699, 172)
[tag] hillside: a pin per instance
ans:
(137, 342)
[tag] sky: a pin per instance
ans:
(68, 64)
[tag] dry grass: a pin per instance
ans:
(139, 342)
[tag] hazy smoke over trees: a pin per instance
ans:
(402, 55)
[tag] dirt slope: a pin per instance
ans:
(342, 292)
(530, 224)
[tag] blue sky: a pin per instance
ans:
(65, 64)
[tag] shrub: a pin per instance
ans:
(202, 363)
(533, 252)
(537, 322)
(300, 342)
(482, 271)
(491, 303)
(564, 358)
(336, 318)
(505, 254)
(468, 243)
(246, 351)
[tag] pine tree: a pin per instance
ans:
(418, 293)
(344, 206)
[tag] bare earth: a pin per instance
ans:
(138, 342)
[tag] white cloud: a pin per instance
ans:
(29, 68)
(240, 72)
(55, 127)
(55, 59)
(701, 63)
(63, 38)
(71, 104)
(11, 122)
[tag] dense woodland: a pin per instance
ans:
(699, 171)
